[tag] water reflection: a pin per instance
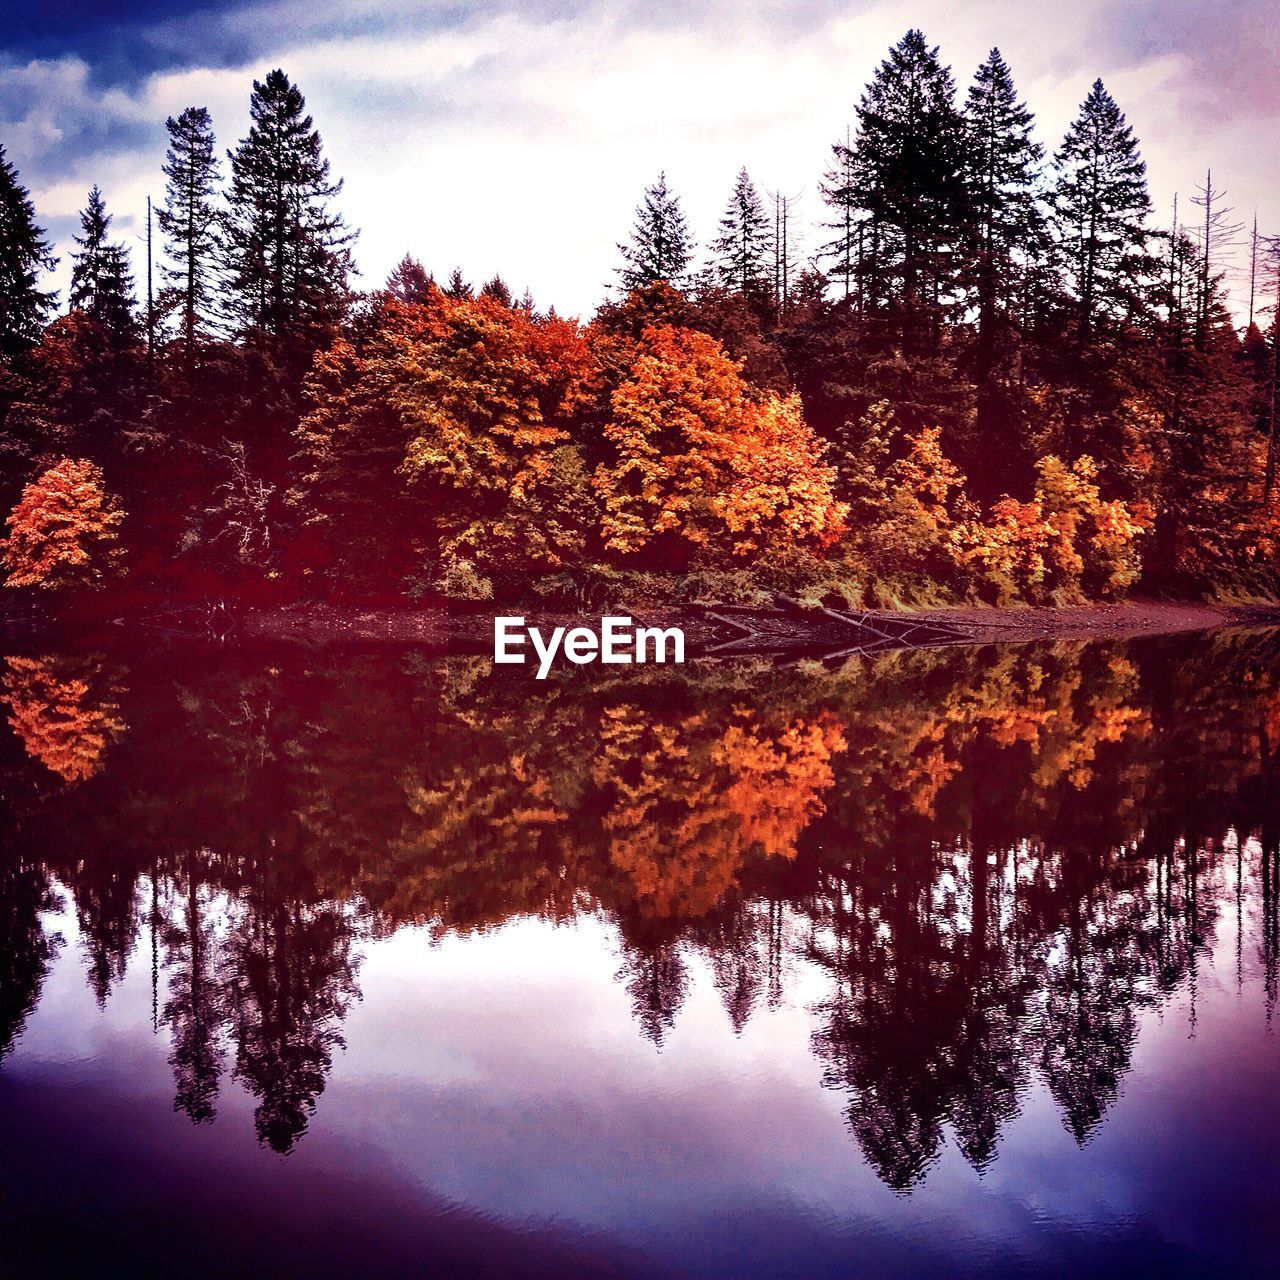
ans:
(996, 858)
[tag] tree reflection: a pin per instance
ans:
(196, 1009)
(65, 711)
(994, 860)
(293, 979)
(27, 949)
(656, 977)
(108, 913)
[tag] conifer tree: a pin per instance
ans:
(661, 247)
(457, 287)
(905, 169)
(1204, 444)
(742, 251)
(1001, 165)
(287, 249)
(409, 281)
(1005, 249)
(190, 223)
(101, 282)
(498, 290)
(1100, 206)
(24, 255)
(843, 252)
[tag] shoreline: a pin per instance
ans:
(728, 630)
(709, 630)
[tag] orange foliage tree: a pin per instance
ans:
(65, 713)
(64, 530)
(488, 394)
(460, 407)
(700, 462)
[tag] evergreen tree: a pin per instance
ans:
(457, 286)
(742, 251)
(190, 223)
(1204, 443)
(661, 247)
(1001, 166)
(497, 289)
(409, 281)
(24, 255)
(844, 250)
(287, 250)
(905, 173)
(1100, 206)
(99, 399)
(101, 282)
(1004, 251)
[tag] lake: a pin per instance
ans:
(957, 962)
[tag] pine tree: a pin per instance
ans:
(905, 169)
(24, 255)
(742, 251)
(409, 281)
(1005, 248)
(1100, 206)
(101, 282)
(843, 252)
(498, 290)
(1001, 167)
(287, 250)
(661, 247)
(457, 286)
(1205, 443)
(190, 223)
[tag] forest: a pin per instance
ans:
(998, 379)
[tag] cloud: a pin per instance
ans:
(1229, 51)
(123, 49)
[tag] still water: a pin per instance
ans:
(953, 963)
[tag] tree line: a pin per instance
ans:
(996, 378)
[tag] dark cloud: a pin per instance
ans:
(75, 124)
(111, 37)
(124, 41)
(1231, 48)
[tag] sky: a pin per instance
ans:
(517, 136)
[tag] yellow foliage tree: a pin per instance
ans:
(1067, 540)
(923, 507)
